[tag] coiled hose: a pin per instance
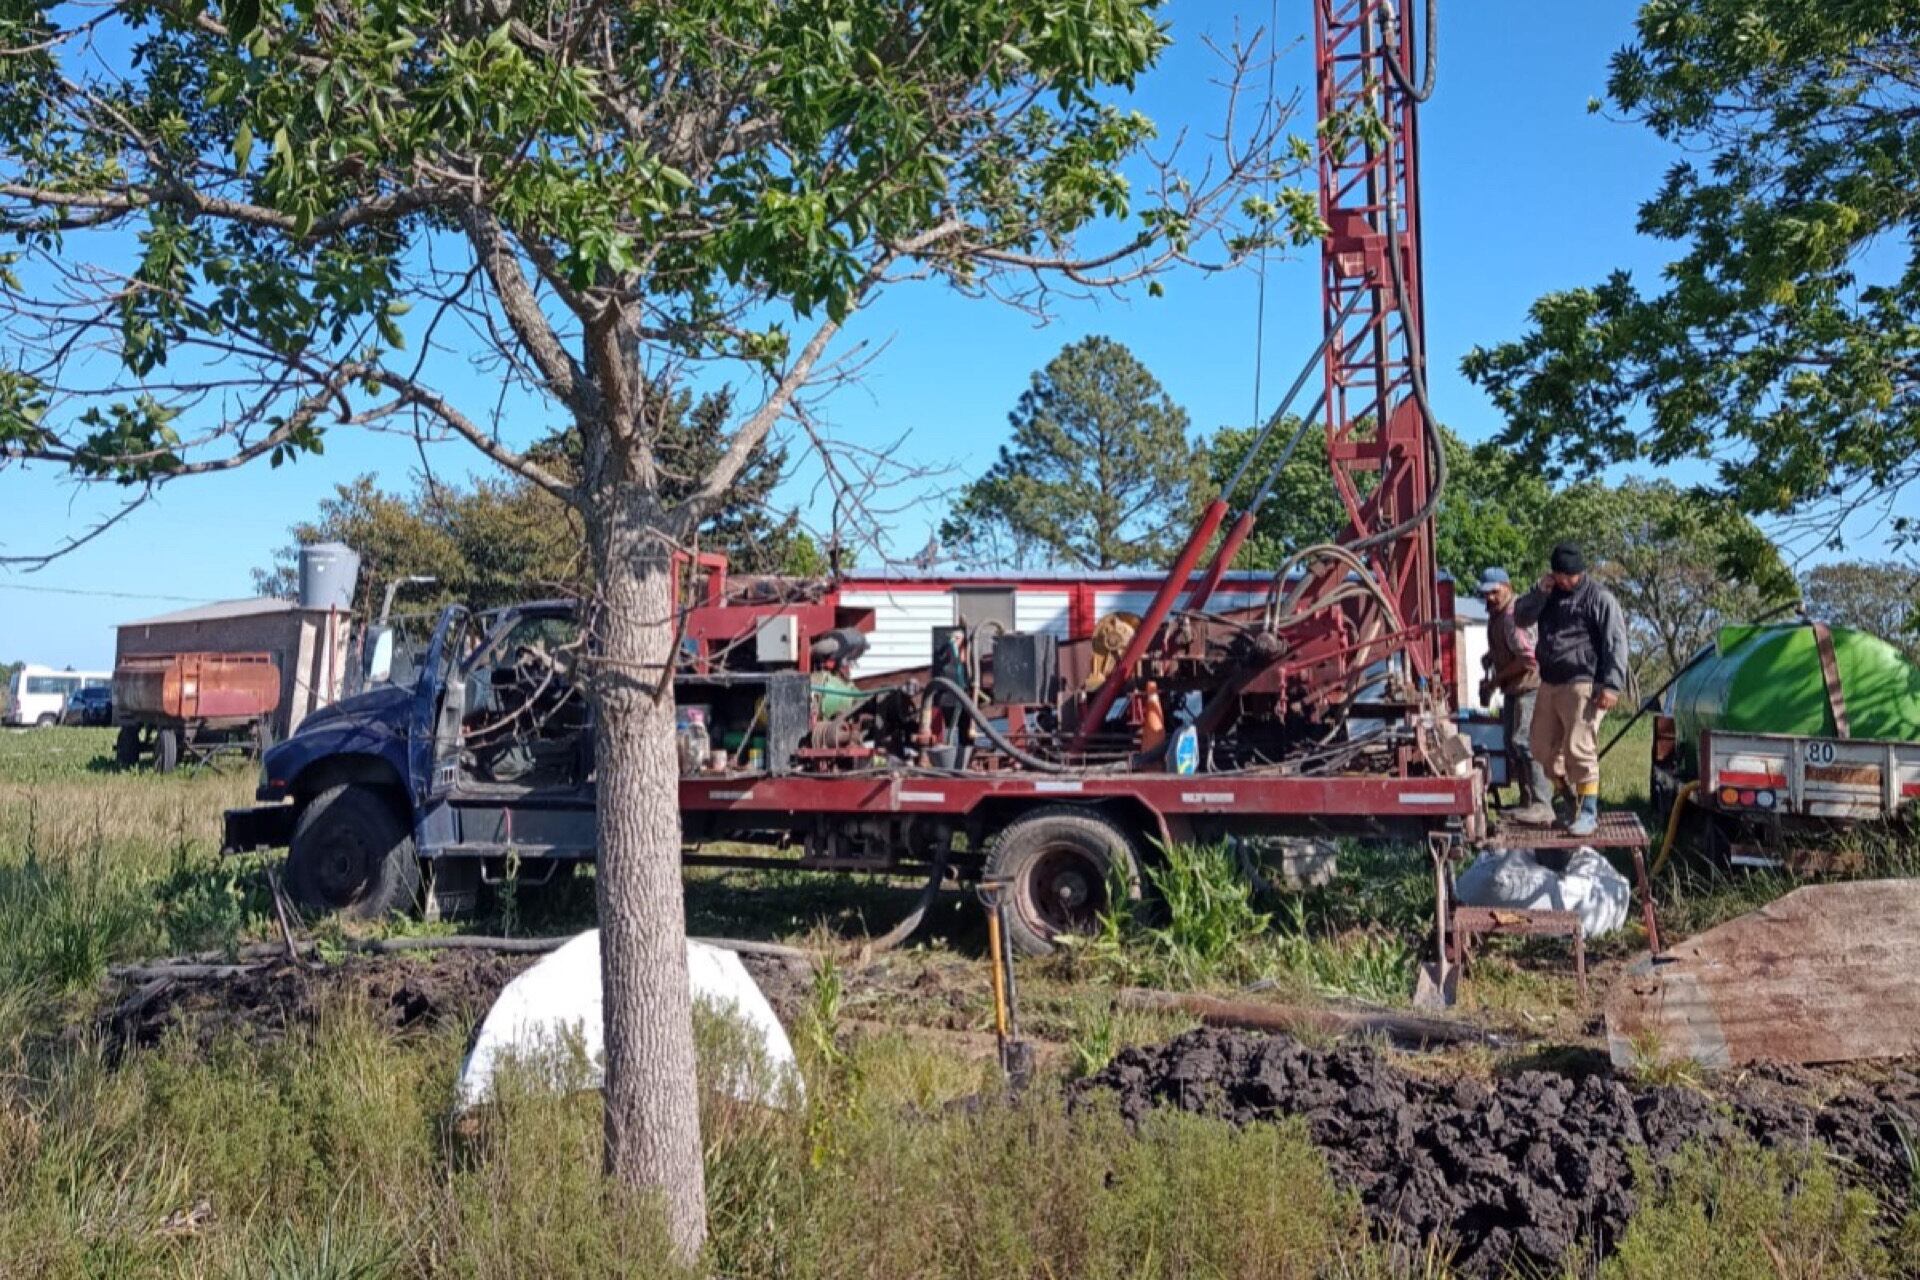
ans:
(979, 717)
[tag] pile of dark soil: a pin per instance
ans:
(408, 992)
(1512, 1172)
(405, 993)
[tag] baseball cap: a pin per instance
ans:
(1491, 578)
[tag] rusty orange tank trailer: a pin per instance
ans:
(179, 706)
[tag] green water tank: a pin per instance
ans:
(1767, 679)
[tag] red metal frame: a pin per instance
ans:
(1238, 794)
(1376, 432)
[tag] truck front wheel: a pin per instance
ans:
(353, 854)
(1062, 868)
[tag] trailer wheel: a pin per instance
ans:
(126, 747)
(352, 854)
(166, 750)
(1062, 867)
(47, 720)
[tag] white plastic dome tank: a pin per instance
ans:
(328, 573)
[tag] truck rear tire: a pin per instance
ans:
(352, 854)
(126, 747)
(1062, 867)
(166, 750)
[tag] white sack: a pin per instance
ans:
(1589, 887)
(550, 1018)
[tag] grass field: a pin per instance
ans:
(328, 1152)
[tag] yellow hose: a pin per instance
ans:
(1673, 826)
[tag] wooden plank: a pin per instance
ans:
(1409, 1029)
(1829, 973)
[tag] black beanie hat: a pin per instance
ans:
(1567, 559)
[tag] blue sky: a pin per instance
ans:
(1523, 191)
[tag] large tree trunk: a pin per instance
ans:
(652, 1104)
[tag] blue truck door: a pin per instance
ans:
(439, 702)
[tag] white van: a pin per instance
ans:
(38, 695)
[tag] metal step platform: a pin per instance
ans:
(1466, 925)
(1619, 829)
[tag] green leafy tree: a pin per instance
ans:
(1494, 511)
(1876, 596)
(256, 225)
(979, 534)
(1491, 512)
(1682, 565)
(1099, 474)
(1782, 344)
(499, 540)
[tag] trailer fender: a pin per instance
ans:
(1149, 829)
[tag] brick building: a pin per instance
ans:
(313, 671)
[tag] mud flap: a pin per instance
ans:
(453, 888)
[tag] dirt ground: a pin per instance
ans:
(1515, 1170)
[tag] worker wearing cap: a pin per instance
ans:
(1582, 651)
(1513, 669)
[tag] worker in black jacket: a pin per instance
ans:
(1582, 650)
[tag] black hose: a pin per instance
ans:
(1432, 74)
(910, 923)
(1286, 401)
(994, 735)
(1307, 421)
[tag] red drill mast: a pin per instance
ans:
(1372, 597)
(1378, 436)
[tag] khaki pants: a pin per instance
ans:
(1566, 735)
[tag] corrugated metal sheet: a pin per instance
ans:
(1041, 611)
(1106, 602)
(903, 623)
(220, 611)
(1824, 974)
(875, 579)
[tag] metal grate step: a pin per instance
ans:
(1618, 830)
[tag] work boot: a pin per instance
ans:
(1533, 813)
(1565, 807)
(1587, 820)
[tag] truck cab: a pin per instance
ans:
(365, 791)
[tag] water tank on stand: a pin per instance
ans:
(328, 573)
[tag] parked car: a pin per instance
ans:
(38, 695)
(90, 706)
